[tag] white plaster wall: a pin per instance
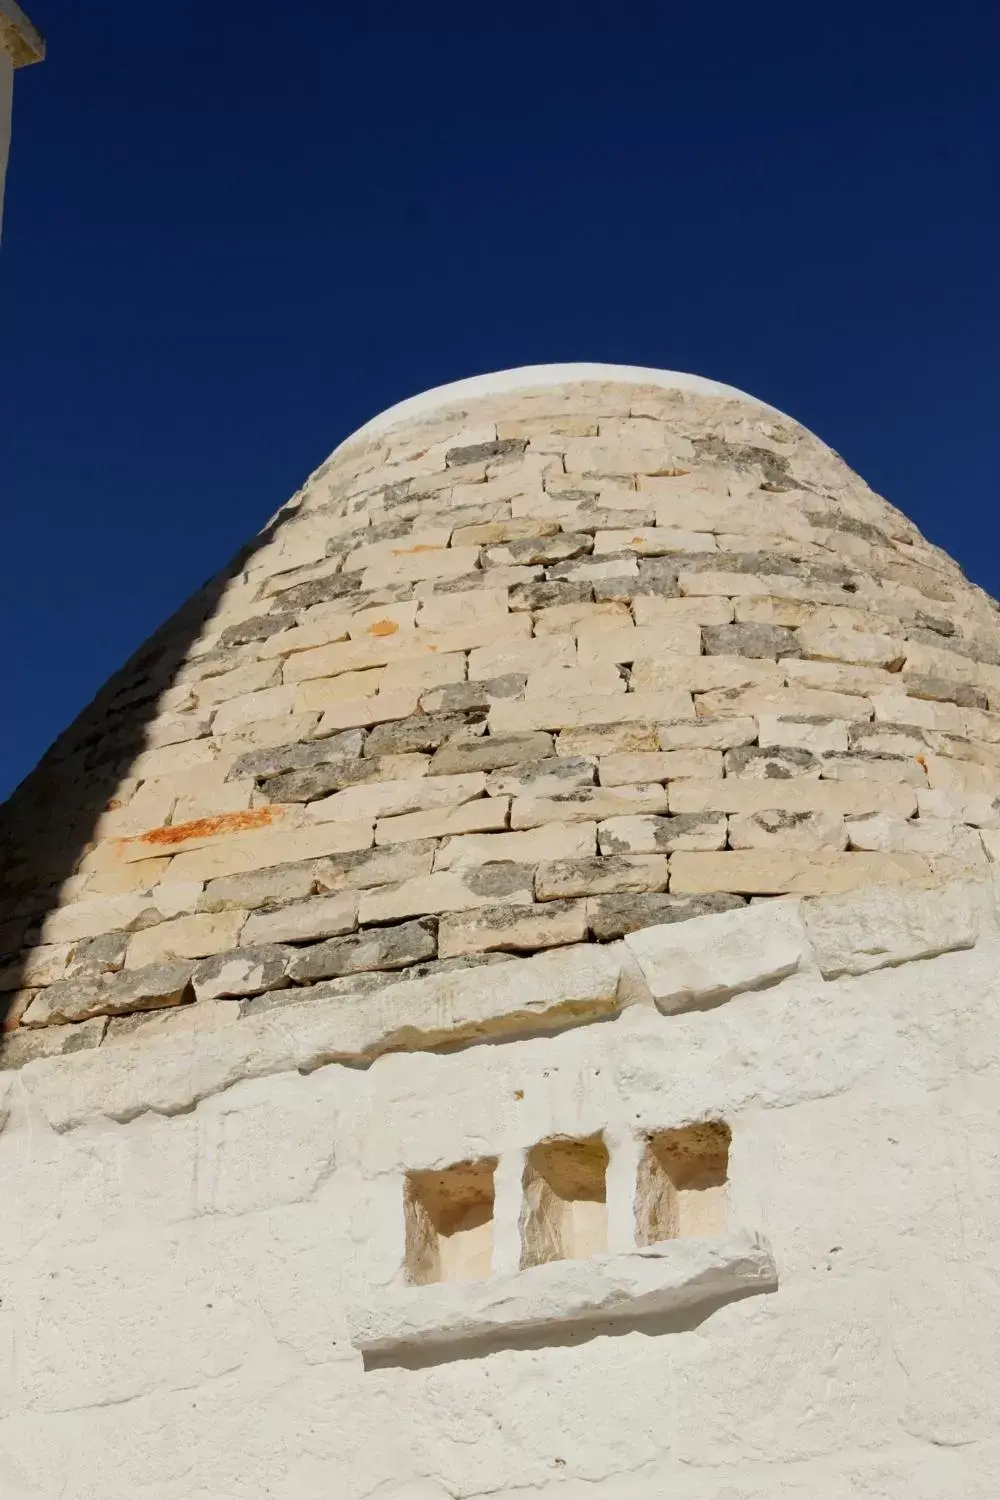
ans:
(6, 104)
(173, 1290)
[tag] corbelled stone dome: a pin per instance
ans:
(532, 660)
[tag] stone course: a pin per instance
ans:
(538, 669)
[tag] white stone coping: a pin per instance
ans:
(18, 37)
(537, 377)
(676, 967)
(658, 1279)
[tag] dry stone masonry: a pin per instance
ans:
(500, 994)
(522, 670)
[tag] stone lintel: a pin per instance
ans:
(651, 1282)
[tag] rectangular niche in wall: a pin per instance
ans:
(681, 1186)
(449, 1223)
(564, 1214)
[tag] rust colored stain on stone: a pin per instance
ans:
(383, 627)
(235, 822)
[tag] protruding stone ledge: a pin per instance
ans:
(659, 1279)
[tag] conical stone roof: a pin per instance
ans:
(531, 661)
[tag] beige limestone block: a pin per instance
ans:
(649, 835)
(589, 709)
(565, 841)
(707, 734)
(654, 541)
(821, 736)
(791, 700)
(527, 656)
(271, 846)
(373, 554)
(487, 815)
(150, 807)
(451, 611)
(452, 562)
(359, 713)
(873, 768)
(173, 729)
(141, 876)
(857, 933)
(961, 776)
(596, 456)
(607, 739)
(460, 889)
(383, 621)
(432, 671)
(268, 704)
(167, 760)
(651, 610)
(782, 830)
(561, 619)
(320, 692)
(307, 636)
(90, 918)
(839, 678)
(573, 681)
(381, 799)
(41, 965)
(663, 765)
(620, 642)
(533, 428)
(231, 797)
(252, 678)
(931, 836)
(703, 674)
(799, 794)
(586, 804)
(709, 959)
(778, 872)
(267, 733)
(770, 611)
(725, 585)
(933, 661)
(551, 924)
(197, 936)
(382, 651)
(897, 708)
(979, 809)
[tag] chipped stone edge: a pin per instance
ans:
(552, 991)
(658, 1279)
(537, 377)
(23, 43)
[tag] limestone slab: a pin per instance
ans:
(862, 931)
(712, 958)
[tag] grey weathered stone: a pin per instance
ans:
(20, 1047)
(354, 986)
(612, 916)
(521, 929)
(490, 753)
(241, 972)
(940, 690)
(99, 955)
(546, 595)
(777, 764)
(769, 641)
(319, 781)
(658, 575)
(543, 778)
(320, 590)
(299, 756)
(422, 732)
(148, 988)
(540, 549)
(463, 697)
(652, 835)
(564, 879)
(377, 948)
(305, 921)
(257, 629)
(476, 453)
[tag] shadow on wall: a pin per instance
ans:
(48, 823)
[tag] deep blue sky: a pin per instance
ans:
(236, 230)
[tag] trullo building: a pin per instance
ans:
(20, 45)
(501, 992)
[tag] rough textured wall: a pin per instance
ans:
(540, 670)
(198, 1231)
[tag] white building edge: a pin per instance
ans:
(20, 45)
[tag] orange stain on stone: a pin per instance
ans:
(235, 822)
(383, 627)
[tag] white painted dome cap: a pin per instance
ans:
(534, 377)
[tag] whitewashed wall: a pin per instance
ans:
(176, 1289)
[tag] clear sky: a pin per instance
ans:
(235, 231)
